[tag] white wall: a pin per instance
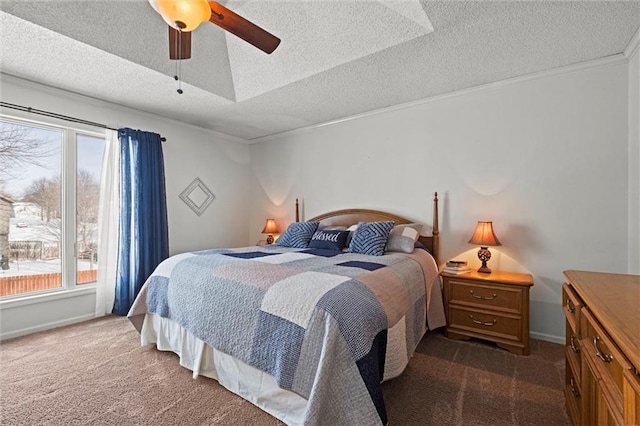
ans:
(553, 160)
(220, 161)
(634, 163)
(544, 157)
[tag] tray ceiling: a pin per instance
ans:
(337, 58)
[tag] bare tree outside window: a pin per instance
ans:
(20, 146)
(87, 199)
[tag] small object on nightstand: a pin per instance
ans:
(492, 307)
(261, 243)
(456, 267)
(270, 228)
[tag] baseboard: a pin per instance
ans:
(548, 337)
(43, 327)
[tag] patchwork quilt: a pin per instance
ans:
(316, 320)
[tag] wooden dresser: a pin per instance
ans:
(491, 306)
(603, 348)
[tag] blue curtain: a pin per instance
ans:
(144, 235)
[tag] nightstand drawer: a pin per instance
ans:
(489, 324)
(492, 296)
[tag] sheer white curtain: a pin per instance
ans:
(108, 218)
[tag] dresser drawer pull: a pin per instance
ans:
(574, 391)
(488, 324)
(572, 343)
(570, 306)
(605, 357)
(483, 297)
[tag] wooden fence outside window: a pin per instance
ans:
(28, 283)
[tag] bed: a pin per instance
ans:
(307, 334)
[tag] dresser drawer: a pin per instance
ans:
(572, 305)
(494, 297)
(489, 324)
(573, 351)
(572, 394)
(631, 392)
(609, 358)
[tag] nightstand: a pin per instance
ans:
(491, 306)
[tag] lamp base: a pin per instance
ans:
(484, 270)
(270, 239)
(484, 255)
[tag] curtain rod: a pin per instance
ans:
(59, 116)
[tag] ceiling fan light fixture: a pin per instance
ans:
(183, 15)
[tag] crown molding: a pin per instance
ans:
(593, 64)
(633, 46)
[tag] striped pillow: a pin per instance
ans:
(403, 238)
(370, 238)
(297, 235)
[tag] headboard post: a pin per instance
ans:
(297, 211)
(436, 230)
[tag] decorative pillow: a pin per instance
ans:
(329, 239)
(297, 235)
(370, 238)
(352, 230)
(402, 238)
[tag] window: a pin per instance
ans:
(48, 173)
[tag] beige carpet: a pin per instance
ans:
(96, 373)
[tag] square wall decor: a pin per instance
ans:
(197, 196)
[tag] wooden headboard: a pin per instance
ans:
(350, 217)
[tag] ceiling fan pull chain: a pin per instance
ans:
(178, 75)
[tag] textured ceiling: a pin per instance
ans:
(337, 58)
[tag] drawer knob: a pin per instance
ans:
(483, 297)
(574, 391)
(572, 343)
(605, 357)
(487, 324)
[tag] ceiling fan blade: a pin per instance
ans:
(246, 30)
(179, 44)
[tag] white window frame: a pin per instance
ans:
(69, 168)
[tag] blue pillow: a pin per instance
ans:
(371, 238)
(297, 234)
(329, 239)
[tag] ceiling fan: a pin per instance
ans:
(184, 16)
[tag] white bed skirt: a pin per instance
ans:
(248, 382)
(254, 385)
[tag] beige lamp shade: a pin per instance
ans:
(270, 227)
(484, 236)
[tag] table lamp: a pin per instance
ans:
(270, 228)
(484, 237)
